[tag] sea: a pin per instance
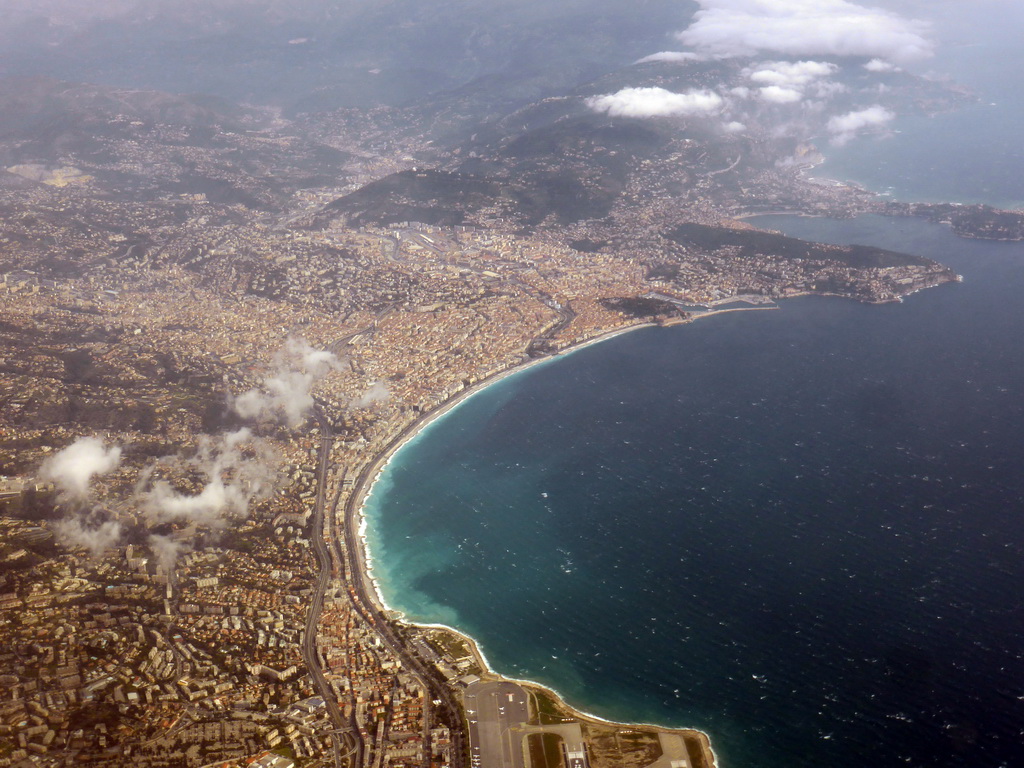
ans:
(800, 530)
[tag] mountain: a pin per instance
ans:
(315, 54)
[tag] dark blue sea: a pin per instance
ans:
(798, 529)
(801, 530)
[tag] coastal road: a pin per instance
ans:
(446, 706)
(496, 712)
(445, 701)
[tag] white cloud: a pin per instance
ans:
(237, 466)
(779, 95)
(287, 394)
(377, 393)
(734, 127)
(804, 28)
(791, 74)
(845, 127)
(217, 497)
(166, 550)
(826, 89)
(671, 56)
(655, 102)
(72, 471)
(97, 538)
(238, 469)
(73, 468)
(881, 65)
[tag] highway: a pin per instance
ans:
(324, 578)
(435, 691)
(447, 702)
(366, 605)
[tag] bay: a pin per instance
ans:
(800, 529)
(796, 529)
(969, 155)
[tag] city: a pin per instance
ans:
(247, 344)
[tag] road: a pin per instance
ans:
(449, 707)
(338, 345)
(496, 712)
(316, 605)
(326, 559)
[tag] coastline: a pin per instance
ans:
(579, 714)
(460, 397)
(355, 519)
(370, 473)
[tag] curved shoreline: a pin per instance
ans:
(355, 519)
(370, 472)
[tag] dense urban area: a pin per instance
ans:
(229, 319)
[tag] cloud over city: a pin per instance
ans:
(377, 393)
(286, 395)
(790, 74)
(210, 485)
(656, 102)
(73, 468)
(804, 28)
(236, 468)
(83, 529)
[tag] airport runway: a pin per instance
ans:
(496, 712)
